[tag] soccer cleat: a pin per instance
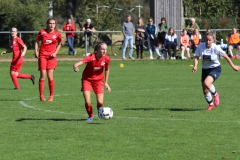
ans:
(50, 99)
(216, 99)
(42, 98)
(210, 107)
(90, 119)
(131, 58)
(99, 112)
(232, 57)
(16, 88)
(33, 79)
(237, 57)
(123, 58)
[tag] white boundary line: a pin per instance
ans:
(22, 102)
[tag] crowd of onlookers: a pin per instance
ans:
(159, 38)
(162, 38)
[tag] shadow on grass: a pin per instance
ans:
(55, 119)
(6, 89)
(48, 119)
(9, 100)
(170, 109)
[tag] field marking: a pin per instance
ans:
(22, 102)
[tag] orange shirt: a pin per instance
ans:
(196, 38)
(184, 40)
(233, 38)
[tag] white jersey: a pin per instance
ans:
(210, 57)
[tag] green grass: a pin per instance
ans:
(159, 113)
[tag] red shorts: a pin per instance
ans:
(16, 65)
(47, 63)
(97, 86)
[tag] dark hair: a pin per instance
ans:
(98, 45)
(163, 19)
(169, 31)
(150, 18)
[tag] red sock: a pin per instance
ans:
(51, 86)
(41, 86)
(24, 76)
(15, 81)
(89, 110)
(99, 105)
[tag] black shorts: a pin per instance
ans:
(213, 72)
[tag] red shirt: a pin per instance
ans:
(17, 45)
(69, 27)
(49, 42)
(94, 67)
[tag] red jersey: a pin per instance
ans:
(94, 67)
(69, 27)
(49, 41)
(17, 45)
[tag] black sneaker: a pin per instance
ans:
(33, 79)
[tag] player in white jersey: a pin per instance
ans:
(211, 68)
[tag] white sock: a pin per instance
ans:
(230, 52)
(208, 98)
(212, 90)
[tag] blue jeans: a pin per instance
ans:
(70, 41)
(125, 43)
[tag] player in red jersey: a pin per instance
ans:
(93, 78)
(47, 56)
(19, 49)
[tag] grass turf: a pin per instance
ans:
(159, 113)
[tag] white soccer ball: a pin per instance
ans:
(107, 113)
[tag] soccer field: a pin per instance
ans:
(159, 113)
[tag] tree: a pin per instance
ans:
(25, 16)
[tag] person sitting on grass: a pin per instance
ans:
(196, 39)
(171, 43)
(233, 40)
(184, 40)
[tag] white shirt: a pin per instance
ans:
(210, 57)
(171, 37)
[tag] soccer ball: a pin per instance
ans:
(107, 113)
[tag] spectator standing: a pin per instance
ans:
(163, 29)
(233, 40)
(19, 49)
(211, 68)
(69, 26)
(196, 39)
(191, 26)
(92, 77)
(184, 40)
(50, 39)
(171, 43)
(88, 29)
(139, 39)
(127, 30)
(151, 32)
